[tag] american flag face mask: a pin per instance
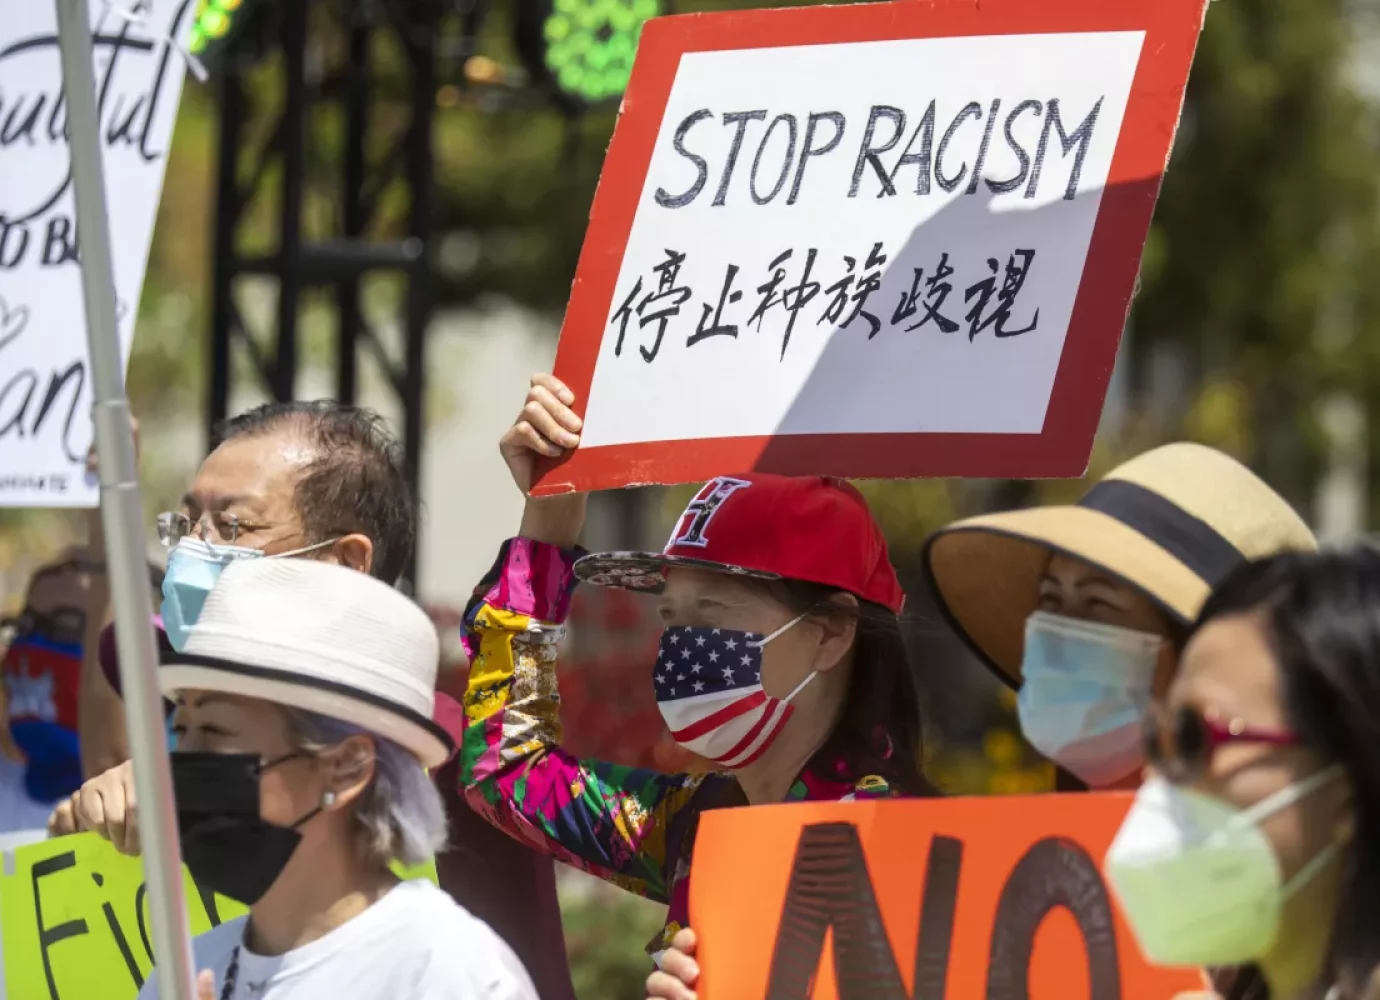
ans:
(709, 689)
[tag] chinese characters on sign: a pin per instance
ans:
(871, 240)
(993, 304)
(818, 250)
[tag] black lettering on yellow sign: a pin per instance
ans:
(49, 936)
(119, 936)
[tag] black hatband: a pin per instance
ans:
(1193, 542)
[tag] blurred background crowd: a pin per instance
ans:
(1255, 329)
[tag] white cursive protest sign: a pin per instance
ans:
(45, 388)
(872, 222)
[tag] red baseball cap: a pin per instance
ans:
(812, 528)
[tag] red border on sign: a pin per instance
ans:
(1062, 447)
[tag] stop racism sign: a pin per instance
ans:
(890, 240)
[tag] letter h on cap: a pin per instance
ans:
(694, 523)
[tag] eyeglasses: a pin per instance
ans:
(65, 625)
(1180, 744)
(215, 525)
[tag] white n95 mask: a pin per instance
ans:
(1084, 694)
(1198, 880)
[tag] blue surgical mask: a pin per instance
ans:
(194, 566)
(1084, 694)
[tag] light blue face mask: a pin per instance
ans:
(194, 566)
(1084, 694)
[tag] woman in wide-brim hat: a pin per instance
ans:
(1083, 607)
(304, 730)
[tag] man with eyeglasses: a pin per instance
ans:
(311, 480)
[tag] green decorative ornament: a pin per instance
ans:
(215, 22)
(590, 45)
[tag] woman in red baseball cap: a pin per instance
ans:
(781, 661)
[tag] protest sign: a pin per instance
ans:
(74, 921)
(45, 388)
(890, 240)
(939, 899)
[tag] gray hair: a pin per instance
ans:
(400, 814)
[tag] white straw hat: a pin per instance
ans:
(318, 637)
(1171, 522)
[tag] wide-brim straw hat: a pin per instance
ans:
(1172, 523)
(322, 638)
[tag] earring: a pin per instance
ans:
(327, 799)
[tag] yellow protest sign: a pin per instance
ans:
(74, 923)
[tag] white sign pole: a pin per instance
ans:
(122, 514)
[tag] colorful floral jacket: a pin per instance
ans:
(633, 827)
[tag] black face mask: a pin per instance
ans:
(226, 844)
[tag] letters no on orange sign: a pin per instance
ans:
(942, 899)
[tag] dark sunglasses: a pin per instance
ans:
(65, 625)
(1180, 743)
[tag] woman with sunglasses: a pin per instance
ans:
(40, 684)
(1083, 608)
(781, 663)
(1256, 836)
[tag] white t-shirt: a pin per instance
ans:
(415, 943)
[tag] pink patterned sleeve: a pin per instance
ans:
(530, 578)
(609, 820)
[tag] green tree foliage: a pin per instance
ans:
(605, 931)
(1265, 233)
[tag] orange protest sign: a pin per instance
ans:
(940, 899)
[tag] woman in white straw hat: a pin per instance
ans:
(304, 730)
(1084, 607)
